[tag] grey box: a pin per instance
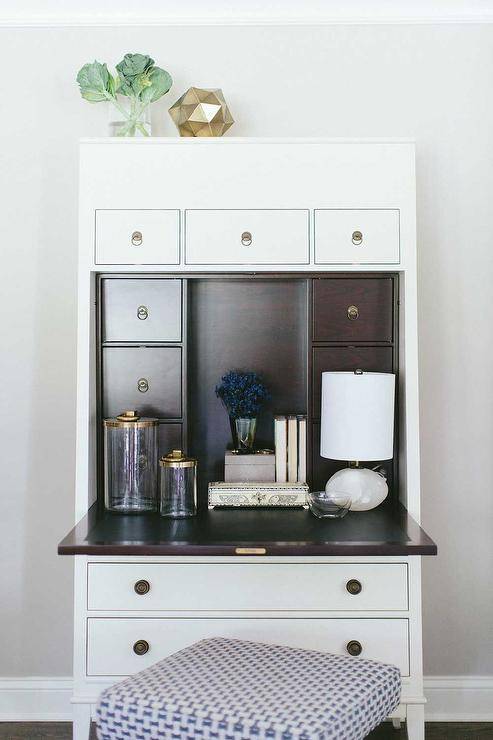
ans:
(258, 467)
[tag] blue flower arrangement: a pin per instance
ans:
(243, 394)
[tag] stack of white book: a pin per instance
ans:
(290, 444)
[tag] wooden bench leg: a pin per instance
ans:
(415, 720)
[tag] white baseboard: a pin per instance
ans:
(35, 699)
(450, 699)
(459, 698)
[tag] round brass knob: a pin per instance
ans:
(354, 648)
(143, 385)
(354, 587)
(137, 238)
(142, 313)
(142, 587)
(141, 647)
(246, 238)
(357, 238)
(352, 313)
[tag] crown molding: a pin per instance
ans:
(114, 21)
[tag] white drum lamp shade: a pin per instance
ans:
(358, 424)
(357, 416)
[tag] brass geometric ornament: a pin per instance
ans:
(201, 112)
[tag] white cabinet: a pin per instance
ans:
(347, 236)
(242, 237)
(239, 206)
(187, 587)
(137, 237)
(120, 647)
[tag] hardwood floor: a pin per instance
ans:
(434, 731)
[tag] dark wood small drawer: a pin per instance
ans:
(169, 438)
(353, 310)
(141, 310)
(147, 379)
(342, 359)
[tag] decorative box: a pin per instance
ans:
(258, 494)
(259, 466)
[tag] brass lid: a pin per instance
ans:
(176, 459)
(130, 420)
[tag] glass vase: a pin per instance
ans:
(130, 463)
(129, 118)
(178, 485)
(245, 429)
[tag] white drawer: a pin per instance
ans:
(208, 587)
(356, 236)
(137, 237)
(239, 237)
(110, 642)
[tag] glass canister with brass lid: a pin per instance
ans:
(178, 485)
(130, 463)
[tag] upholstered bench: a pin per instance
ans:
(231, 689)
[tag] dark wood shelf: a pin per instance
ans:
(387, 530)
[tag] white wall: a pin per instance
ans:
(429, 82)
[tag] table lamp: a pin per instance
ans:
(357, 423)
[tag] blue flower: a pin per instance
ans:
(243, 394)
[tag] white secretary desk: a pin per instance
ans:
(304, 227)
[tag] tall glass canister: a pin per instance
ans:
(178, 485)
(130, 463)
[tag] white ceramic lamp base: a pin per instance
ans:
(366, 488)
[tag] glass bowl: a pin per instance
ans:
(331, 505)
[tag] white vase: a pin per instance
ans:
(366, 488)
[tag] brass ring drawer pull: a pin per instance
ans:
(246, 238)
(142, 587)
(142, 313)
(357, 238)
(352, 313)
(137, 238)
(354, 648)
(143, 385)
(141, 647)
(354, 587)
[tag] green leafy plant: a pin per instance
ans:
(137, 78)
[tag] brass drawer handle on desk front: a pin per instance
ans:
(246, 238)
(141, 647)
(142, 587)
(137, 238)
(354, 648)
(354, 587)
(357, 238)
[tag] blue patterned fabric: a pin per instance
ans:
(234, 690)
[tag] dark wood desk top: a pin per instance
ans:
(387, 530)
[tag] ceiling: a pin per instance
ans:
(163, 12)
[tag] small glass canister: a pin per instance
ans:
(130, 463)
(178, 485)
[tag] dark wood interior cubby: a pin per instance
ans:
(287, 327)
(243, 324)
